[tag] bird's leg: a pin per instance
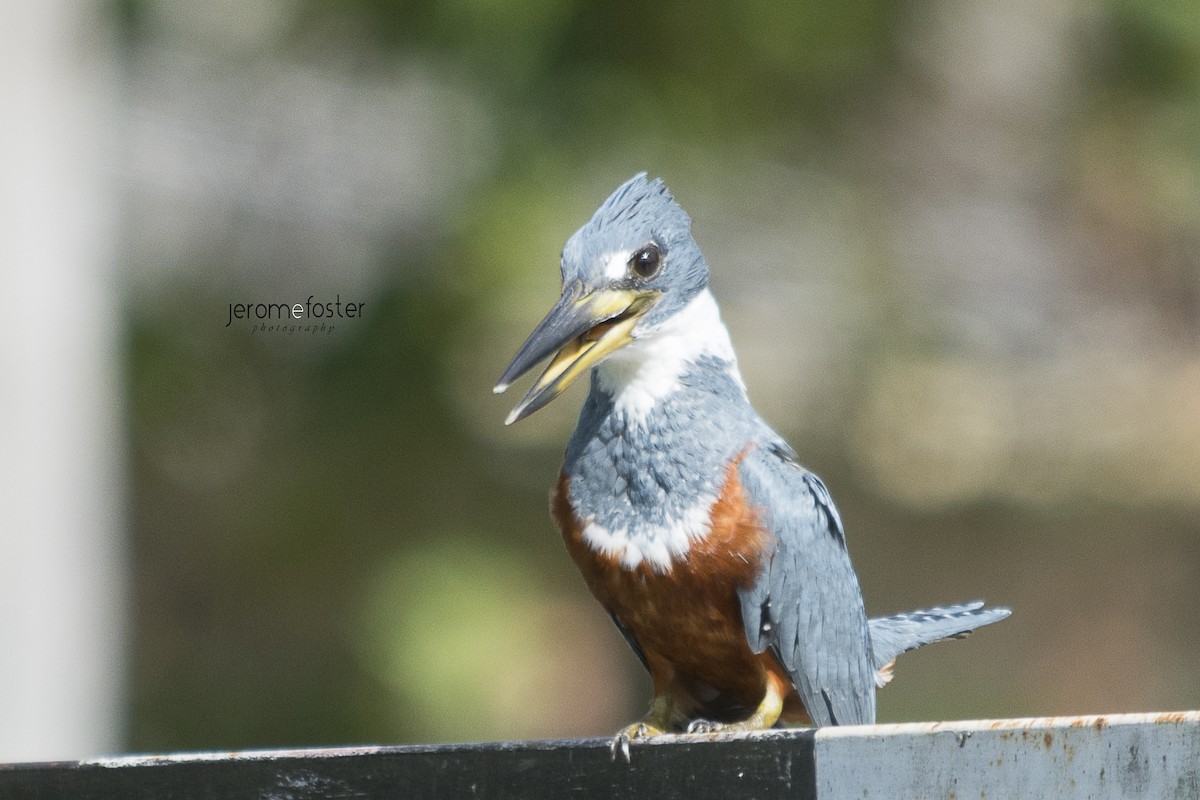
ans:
(765, 716)
(664, 716)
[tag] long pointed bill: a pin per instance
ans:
(583, 330)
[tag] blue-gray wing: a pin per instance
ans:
(806, 606)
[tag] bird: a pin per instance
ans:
(721, 560)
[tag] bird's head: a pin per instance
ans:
(625, 273)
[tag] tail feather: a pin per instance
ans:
(891, 636)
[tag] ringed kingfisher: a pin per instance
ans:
(721, 559)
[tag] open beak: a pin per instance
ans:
(583, 328)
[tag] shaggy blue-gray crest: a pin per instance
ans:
(721, 559)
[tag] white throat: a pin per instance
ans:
(648, 369)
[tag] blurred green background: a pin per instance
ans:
(957, 245)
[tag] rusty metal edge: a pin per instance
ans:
(1096, 721)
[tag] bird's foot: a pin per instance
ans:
(765, 716)
(638, 730)
(662, 717)
(709, 726)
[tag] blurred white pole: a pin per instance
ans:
(62, 612)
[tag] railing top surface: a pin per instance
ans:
(1111, 755)
(1096, 722)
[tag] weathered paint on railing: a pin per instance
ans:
(1117, 755)
(1114, 755)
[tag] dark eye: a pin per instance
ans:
(647, 261)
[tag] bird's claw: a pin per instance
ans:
(705, 726)
(620, 742)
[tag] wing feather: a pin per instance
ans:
(806, 606)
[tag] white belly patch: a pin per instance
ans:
(659, 545)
